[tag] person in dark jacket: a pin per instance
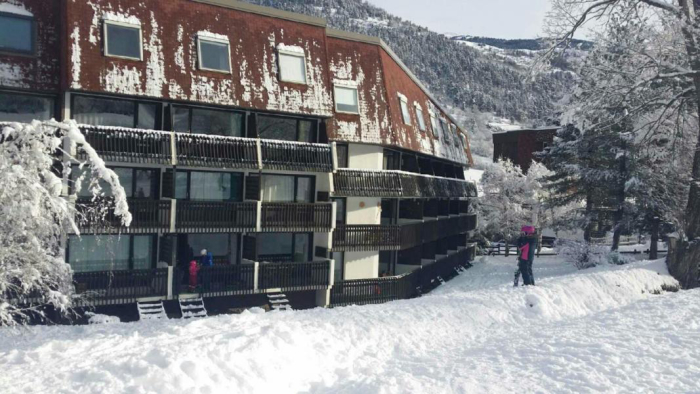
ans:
(206, 261)
(526, 254)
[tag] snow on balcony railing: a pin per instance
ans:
(392, 183)
(296, 156)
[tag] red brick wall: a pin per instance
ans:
(169, 31)
(39, 73)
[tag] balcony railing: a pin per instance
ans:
(399, 184)
(114, 287)
(297, 276)
(129, 145)
(218, 280)
(147, 216)
(291, 217)
(215, 216)
(202, 150)
(296, 156)
(359, 238)
(420, 281)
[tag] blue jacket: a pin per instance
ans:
(208, 260)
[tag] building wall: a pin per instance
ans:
(364, 210)
(359, 64)
(365, 157)
(169, 67)
(361, 265)
(39, 73)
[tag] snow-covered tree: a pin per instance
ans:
(36, 214)
(653, 69)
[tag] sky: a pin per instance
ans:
(487, 18)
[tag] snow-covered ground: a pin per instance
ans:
(600, 330)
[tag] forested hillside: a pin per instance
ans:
(476, 85)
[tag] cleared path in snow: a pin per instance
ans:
(590, 331)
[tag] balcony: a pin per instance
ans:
(215, 216)
(296, 217)
(119, 287)
(365, 183)
(296, 156)
(202, 150)
(147, 216)
(399, 237)
(420, 281)
(294, 276)
(129, 145)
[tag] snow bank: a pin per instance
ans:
(596, 330)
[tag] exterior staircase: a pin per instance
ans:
(279, 302)
(151, 310)
(192, 307)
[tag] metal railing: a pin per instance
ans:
(360, 238)
(399, 184)
(280, 217)
(202, 150)
(215, 216)
(129, 145)
(218, 280)
(299, 276)
(147, 216)
(112, 287)
(295, 156)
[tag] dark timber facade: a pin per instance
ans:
(304, 159)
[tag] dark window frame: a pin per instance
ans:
(344, 219)
(159, 107)
(395, 160)
(346, 163)
(189, 183)
(190, 108)
(55, 108)
(154, 250)
(33, 38)
(296, 186)
(309, 252)
(315, 129)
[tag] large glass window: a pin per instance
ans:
(25, 108)
(434, 125)
(281, 247)
(292, 67)
(137, 182)
(123, 40)
(16, 33)
(286, 129)
(223, 247)
(213, 186)
(340, 211)
(346, 100)
(342, 153)
(115, 112)
(287, 188)
(110, 252)
(445, 131)
(214, 54)
(339, 258)
(392, 160)
(207, 121)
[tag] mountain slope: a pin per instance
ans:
(467, 80)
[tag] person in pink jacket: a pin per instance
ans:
(194, 270)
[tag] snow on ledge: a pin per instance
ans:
(345, 83)
(213, 36)
(291, 49)
(402, 97)
(16, 9)
(122, 18)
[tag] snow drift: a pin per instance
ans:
(475, 334)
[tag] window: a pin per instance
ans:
(340, 211)
(286, 129)
(223, 247)
(434, 125)
(116, 112)
(404, 109)
(445, 131)
(287, 188)
(137, 182)
(392, 160)
(111, 252)
(207, 121)
(16, 33)
(342, 153)
(284, 247)
(421, 119)
(339, 258)
(25, 108)
(209, 186)
(292, 66)
(214, 54)
(123, 40)
(346, 100)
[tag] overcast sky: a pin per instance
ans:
(488, 18)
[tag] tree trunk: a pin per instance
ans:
(654, 246)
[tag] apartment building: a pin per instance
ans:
(304, 160)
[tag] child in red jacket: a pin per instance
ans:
(194, 269)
